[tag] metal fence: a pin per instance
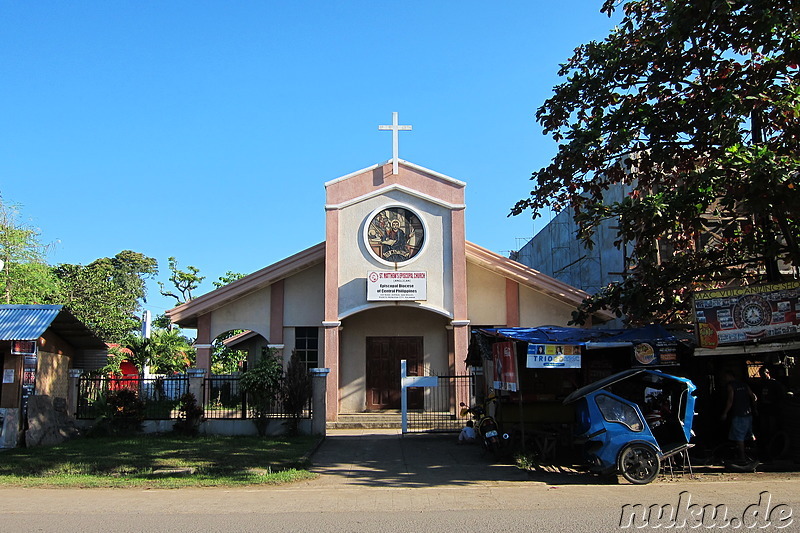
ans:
(441, 410)
(160, 394)
(225, 399)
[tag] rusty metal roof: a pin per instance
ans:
(29, 322)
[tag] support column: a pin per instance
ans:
(319, 379)
(203, 343)
(196, 377)
(512, 303)
(276, 313)
(332, 363)
(331, 320)
(460, 344)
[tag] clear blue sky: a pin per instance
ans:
(206, 130)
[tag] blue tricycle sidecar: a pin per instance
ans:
(632, 420)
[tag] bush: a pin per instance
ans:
(296, 391)
(191, 416)
(262, 384)
(121, 413)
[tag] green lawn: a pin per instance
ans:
(160, 461)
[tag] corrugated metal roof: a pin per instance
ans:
(26, 322)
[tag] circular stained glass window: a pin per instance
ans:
(395, 234)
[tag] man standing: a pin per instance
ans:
(740, 406)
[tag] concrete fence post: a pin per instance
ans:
(196, 378)
(72, 391)
(319, 381)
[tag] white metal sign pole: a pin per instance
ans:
(395, 128)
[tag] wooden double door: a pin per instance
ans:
(383, 371)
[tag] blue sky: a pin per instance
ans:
(206, 130)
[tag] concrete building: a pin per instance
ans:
(557, 251)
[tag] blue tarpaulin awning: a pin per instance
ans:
(590, 338)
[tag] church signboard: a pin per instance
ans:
(390, 286)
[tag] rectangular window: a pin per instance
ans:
(306, 344)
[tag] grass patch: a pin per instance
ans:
(160, 461)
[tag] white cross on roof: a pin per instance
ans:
(395, 128)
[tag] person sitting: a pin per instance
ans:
(467, 435)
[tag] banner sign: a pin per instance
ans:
(655, 353)
(23, 347)
(741, 314)
(504, 356)
(382, 286)
(553, 356)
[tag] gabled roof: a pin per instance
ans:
(403, 162)
(29, 322)
(186, 314)
(528, 277)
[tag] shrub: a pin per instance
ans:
(191, 415)
(262, 384)
(121, 413)
(296, 391)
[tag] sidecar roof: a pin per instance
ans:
(615, 378)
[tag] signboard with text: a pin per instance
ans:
(655, 353)
(553, 356)
(742, 314)
(389, 286)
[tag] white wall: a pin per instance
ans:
(249, 312)
(486, 297)
(539, 309)
(355, 259)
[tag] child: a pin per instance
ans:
(467, 435)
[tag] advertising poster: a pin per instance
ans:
(504, 356)
(742, 314)
(655, 353)
(553, 356)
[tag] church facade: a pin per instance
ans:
(394, 279)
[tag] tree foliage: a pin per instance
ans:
(165, 352)
(696, 107)
(25, 276)
(184, 282)
(105, 295)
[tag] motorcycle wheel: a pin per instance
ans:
(639, 464)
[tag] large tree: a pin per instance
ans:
(106, 293)
(695, 106)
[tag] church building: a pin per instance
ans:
(394, 279)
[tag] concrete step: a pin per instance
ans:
(374, 420)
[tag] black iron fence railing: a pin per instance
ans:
(222, 397)
(225, 399)
(441, 410)
(160, 395)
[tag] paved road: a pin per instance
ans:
(387, 482)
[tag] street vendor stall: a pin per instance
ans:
(532, 370)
